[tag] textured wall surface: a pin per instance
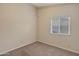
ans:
(17, 26)
(45, 14)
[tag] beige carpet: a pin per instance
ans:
(40, 49)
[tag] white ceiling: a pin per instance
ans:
(43, 4)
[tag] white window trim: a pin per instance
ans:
(51, 30)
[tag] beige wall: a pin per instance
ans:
(17, 26)
(45, 14)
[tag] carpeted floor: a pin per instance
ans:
(39, 49)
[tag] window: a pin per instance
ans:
(60, 25)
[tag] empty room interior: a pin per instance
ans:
(39, 29)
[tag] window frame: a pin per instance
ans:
(51, 30)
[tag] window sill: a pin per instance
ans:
(61, 34)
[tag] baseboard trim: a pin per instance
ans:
(60, 47)
(40, 42)
(16, 48)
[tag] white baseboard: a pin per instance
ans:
(41, 42)
(61, 47)
(4, 52)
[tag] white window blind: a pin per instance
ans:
(60, 25)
